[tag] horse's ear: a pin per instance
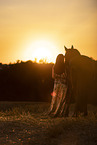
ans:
(65, 48)
(72, 47)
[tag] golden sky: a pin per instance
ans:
(29, 25)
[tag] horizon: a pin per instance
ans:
(41, 61)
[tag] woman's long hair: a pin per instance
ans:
(59, 67)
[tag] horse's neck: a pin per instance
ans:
(75, 56)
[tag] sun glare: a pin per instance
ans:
(40, 50)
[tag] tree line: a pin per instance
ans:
(26, 81)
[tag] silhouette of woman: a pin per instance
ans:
(60, 87)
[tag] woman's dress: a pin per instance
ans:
(57, 107)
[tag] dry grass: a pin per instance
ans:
(28, 124)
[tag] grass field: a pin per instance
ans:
(27, 123)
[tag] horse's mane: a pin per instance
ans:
(75, 52)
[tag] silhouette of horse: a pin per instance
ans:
(82, 75)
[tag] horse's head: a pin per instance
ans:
(70, 53)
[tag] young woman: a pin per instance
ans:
(57, 107)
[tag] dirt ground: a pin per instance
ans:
(29, 124)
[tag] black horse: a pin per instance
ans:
(81, 72)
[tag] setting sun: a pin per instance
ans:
(40, 50)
